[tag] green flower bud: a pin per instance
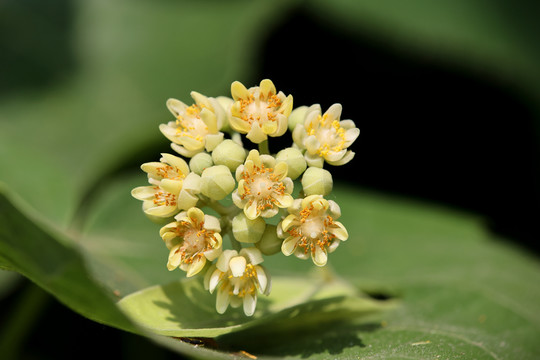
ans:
(217, 182)
(317, 181)
(199, 162)
(270, 243)
(297, 117)
(246, 230)
(229, 153)
(295, 161)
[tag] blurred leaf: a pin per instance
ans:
(133, 55)
(53, 266)
(494, 37)
(8, 280)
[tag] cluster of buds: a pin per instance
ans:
(243, 189)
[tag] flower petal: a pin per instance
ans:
(196, 266)
(253, 254)
(223, 261)
(288, 246)
(237, 265)
(213, 279)
(222, 299)
(239, 91)
(176, 107)
(339, 231)
(267, 88)
(250, 303)
(251, 210)
(320, 256)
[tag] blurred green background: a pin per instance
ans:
(446, 95)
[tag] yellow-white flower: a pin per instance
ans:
(238, 278)
(173, 187)
(311, 229)
(192, 239)
(197, 127)
(263, 186)
(325, 137)
(259, 111)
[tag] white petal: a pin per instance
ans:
(214, 279)
(179, 163)
(312, 144)
(143, 192)
(222, 299)
(211, 223)
(250, 303)
(261, 278)
(345, 159)
(253, 254)
(237, 265)
(334, 112)
(176, 107)
(223, 261)
(161, 211)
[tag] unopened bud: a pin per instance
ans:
(199, 162)
(297, 117)
(317, 181)
(246, 230)
(295, 161)
(270, 243)
(217, 182)
(229, 153)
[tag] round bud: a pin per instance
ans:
(295, 161)
(297, 117)
(317, 181)
(229, 153)
(246, 230)
(270, 243)
(199, 162)
(217, 182)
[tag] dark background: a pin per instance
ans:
(430, 131)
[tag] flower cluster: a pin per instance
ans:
(209, 134)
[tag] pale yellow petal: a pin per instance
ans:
(288, 246)
(267, 88)
(239, 91)
(196, 266)
(320, 256)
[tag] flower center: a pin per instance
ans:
(169, 172)
(164, 198)
(190, 123)
(313, 230)
(259, 109)
(245, 284)
(196, 241)
(331, 135)
(262, 186)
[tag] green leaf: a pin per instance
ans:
(494, 37)
(162, 309)
(459, 288)
(54, 266)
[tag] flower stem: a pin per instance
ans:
(263, 147)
